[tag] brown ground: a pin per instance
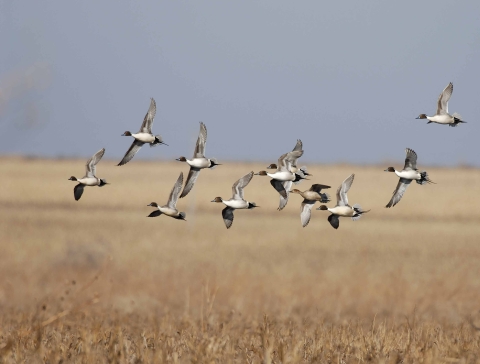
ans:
(97, 281)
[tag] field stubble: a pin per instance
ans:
(96, 280)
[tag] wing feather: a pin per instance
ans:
(399, 191)
(237, 188)
(442, 103)
(148, 119)
(90, 167)
(177, 187)
(134, 148)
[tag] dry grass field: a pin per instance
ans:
(97, 281)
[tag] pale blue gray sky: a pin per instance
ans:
(75, 75)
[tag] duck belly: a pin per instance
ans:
(199, 162)
(346, 211)
(282, 176)
(168, 211)
(311, 196)
(144, 137)
(236, 204)
(410, 174)
(89, 181)
(441, 119)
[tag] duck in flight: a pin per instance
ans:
(170, 209)
(237, 201)
(198, 161)
(311, 196)
(89, 179)
(442, 116)
(283, 177)
(143, 136)
(407, 175)
(343, 208)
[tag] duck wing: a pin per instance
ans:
(148, 119)
(298, 146)
(399, 191)
(172, 199)
(306, 211)
(334, 221)
(227, 214)
(78, 191)
(237, 188)
(90, 167)
(278, 185)
(442, 103)
(201, 142)
(410, 160)
(134, 148)
(287, 186)
(191, 179)
(318, 188)
(342, 199)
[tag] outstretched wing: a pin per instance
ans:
(442, 103)
(298, 146)
(306, 211)
(136, 145)
(172, 199)
(148, 119)
(78, 191)
(287, 186)
(201, 142)
(90, 167)
(410, 160)
(227, 214)
(342, 199)
(333, 220)
(191, 178)
(399, 191)
(318, 187)
(278, 185)
(237, 188)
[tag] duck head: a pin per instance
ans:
(295, 191)
(181, 159)
(127, 133)
(272, 166)
(322, 207)
(261, 173)
(72, 178)
(389, 169)
(153, 204)
(421, 116)
(217, 199)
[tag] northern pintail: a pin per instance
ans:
(237, 201)
(89, 179)
(170, 209)
(143, 136)
(198, 161)
(309, 198)
(407, 175)
(343, 208)
(283, 177)
(442, 116)
(293, 168)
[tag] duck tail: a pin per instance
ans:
(358, 212)
(424, 178)
(213, 163)
(325, 198)
(457, 119)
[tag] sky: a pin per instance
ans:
(348, 78)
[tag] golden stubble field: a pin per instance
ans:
(98, 281)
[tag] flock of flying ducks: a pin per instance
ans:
(287, 173)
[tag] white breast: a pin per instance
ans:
(168, 211)
(441, 119)
(89, 181)
(282, 176)
(408, 174)
(199, 162)
(144, 137)
(236, 204)
(342, 211)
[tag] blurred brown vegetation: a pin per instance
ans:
(98, 281)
